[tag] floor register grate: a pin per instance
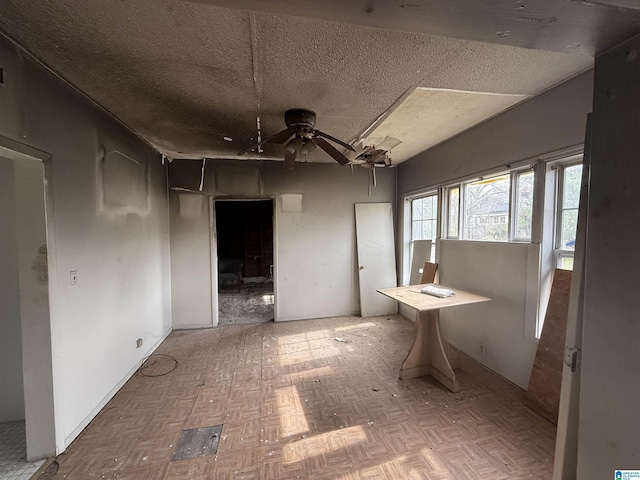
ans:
(197, 442)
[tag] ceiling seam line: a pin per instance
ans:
(255, 73)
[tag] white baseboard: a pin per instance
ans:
(194, 326)
(70, 438)
(313, 317)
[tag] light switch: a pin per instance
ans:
(73, 278)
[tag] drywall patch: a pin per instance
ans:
(124, 182)
(291, 202)
(190, 204)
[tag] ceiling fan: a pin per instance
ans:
(303, 138)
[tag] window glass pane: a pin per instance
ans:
(571, 186)
(568, 221)
(569, 225)
(453, 207)
(416, 230)
(524, 205)
(487, 209)
(427, 207)
(424, 213)
(416, 209)
(427, 231)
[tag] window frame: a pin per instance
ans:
(513, 206)
(436, 220)
(406, 231)
(560, 167)
(447, 210)
(514, 175)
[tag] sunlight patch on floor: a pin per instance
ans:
(323, 443)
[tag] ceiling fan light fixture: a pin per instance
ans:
(295, 144)
(300, 125)
(308, 146)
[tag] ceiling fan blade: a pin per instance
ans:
(282, 136)
(276, 138)
(330, 149)
(318, 133)
(290, 157)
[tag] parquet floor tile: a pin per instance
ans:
(316, 399)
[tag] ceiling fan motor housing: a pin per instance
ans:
(300, 118)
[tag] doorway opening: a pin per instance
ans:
(244, 233)
(24, 309)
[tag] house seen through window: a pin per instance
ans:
(494, 209)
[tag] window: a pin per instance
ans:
(424, 220)
(494, 209)
(568, 199)
(486, 207)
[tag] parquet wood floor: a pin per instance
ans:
(298, 404)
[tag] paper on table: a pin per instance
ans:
(436, 291)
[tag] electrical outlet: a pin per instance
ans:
(482, 349)
(73, 278)
(138, 343)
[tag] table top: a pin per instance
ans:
(411, 296)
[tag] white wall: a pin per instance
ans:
(121, 251)
(315, 249)
(191, 279)
(552, 121)
(12, 391)
(498, 271)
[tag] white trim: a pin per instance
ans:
(562, 154)
(425, 192)
(275, 202)
(213, 259)
(15, 151)
(194, 326)
(314, 317)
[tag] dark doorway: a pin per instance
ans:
(244, 233)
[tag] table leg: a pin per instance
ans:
(418, 361)
(428, 356)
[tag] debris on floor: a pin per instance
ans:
(342, 340)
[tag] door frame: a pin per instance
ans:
(43, 438)
(215, 312)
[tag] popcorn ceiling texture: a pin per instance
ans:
(185, 75)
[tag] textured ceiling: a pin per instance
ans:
(185, 75)
(429, 116)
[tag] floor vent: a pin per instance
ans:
(197, 442)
